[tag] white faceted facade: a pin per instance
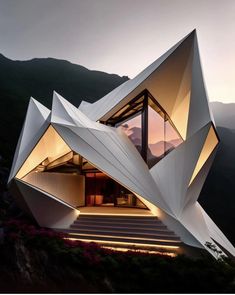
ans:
(152, 139)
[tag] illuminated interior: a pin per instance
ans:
(148, 127)
(54, 168)
(170, 85)
(103, 190)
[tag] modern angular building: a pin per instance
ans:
(128, 169)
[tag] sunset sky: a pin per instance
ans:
(123, 36)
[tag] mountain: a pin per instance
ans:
(218, 193)
(157, 148)
(224, 114)
(19, 80)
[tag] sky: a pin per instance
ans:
(123, 36)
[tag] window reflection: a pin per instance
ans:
(172, 137)
(156, 142)
(132, 128)
(102, 190)
(161, 137)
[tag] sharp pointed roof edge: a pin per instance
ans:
(101, 107)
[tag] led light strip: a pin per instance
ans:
(139, 250)
(118, 214)
(124, 243)
(123, 237)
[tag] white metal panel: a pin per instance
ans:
(194, 221)
(50, 145)
(26, 152)
(37, 114)
(178, 228)
(66, 187)
(59, 113)
(107, 162)
(197, 184)
(46, 209)
(173, 173)
(109, 102)
(216, 234)
(100, 139)
(199, 113)
(34, 125)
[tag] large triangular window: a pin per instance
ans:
(148, 126)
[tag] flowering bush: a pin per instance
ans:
(54, 242)
(54, 257)
(57, 243)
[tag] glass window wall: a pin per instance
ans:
(132, 128)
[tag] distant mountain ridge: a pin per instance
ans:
(73, 81)
(224, 114)
(19, 80)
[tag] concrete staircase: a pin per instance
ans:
(132, 232)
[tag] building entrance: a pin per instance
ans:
(101, 190)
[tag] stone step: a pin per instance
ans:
(117, 221)
(119, 224)
(132, 231)
(123, 227)
(115, 217)
(120, 233)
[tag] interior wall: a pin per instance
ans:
(67, 187)
(50, 146)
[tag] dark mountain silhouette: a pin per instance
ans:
(218, 193)
(19, 80)
(224, 114)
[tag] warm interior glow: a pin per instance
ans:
(115, 214)
(68, 187)
(104, 190)
(122, 237)
(171, 87)
(49, 148)
(54, 168)
(208, 147)
(59, 161)
(170, 84)
(136, 250)
(154, 209)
